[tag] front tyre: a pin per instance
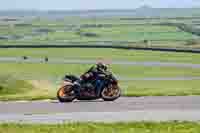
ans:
(111, 92)
(66, 93)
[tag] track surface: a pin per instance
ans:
(123, 109)
(90, 61)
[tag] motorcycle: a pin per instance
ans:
(104, 86)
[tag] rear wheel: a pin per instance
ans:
(111, 93)
(66, 94)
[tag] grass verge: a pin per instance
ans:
(18, 89)
(160, 88)
(133, 127)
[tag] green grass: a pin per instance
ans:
(46, 79)
(120, 33)
(58, 70)
(10, 85)
(139, 33)
(17, 89)
(110, 54)
(160, 88)
(15, 31)
(133, 127)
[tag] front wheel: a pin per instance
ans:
(66, 93)
(111, 93)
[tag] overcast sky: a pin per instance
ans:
(93, 4)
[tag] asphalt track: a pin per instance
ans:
(90, 61)
(183, 108)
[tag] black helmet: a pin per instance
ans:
(101, 66)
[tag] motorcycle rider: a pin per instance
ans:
(99, 69)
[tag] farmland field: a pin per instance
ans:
(115, 30)
(139, 33)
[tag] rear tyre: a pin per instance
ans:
(66, 93)
(111, 93)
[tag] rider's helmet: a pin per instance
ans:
(101, 66)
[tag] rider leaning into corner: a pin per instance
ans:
(99, 69)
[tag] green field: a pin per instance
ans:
(74, 29)
(134, 127)
(138, 33)
(102, 53)
(14, 89)
(58, 70)
(161, 88)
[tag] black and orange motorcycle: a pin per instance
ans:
(103, 86)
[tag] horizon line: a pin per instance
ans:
(100, 9)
